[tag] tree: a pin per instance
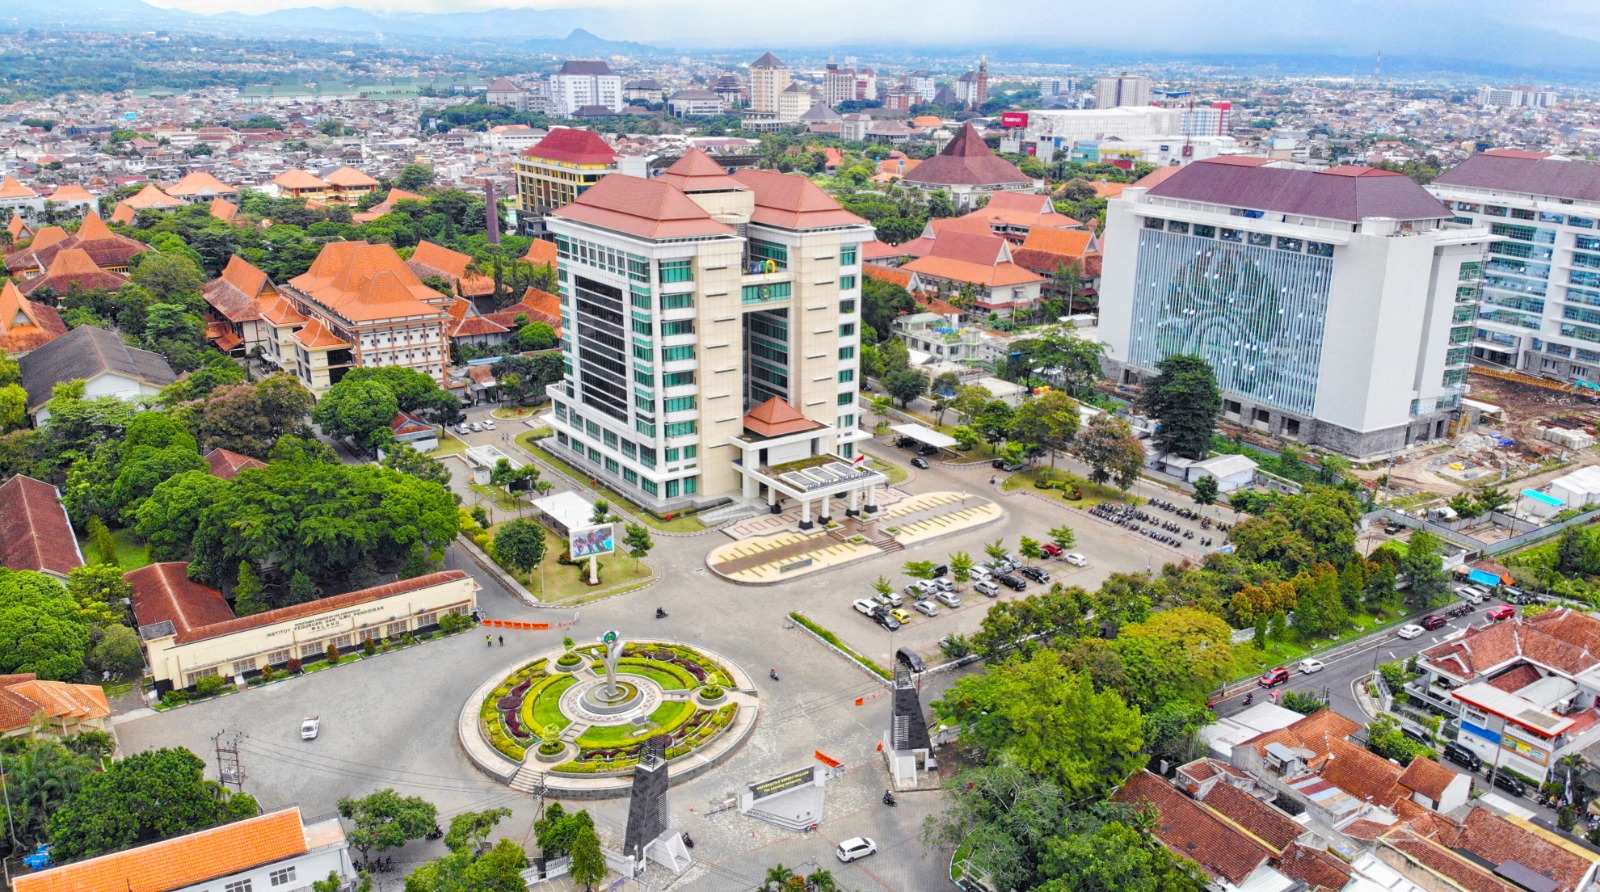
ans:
(1175, 656)
(103, 542)
(1050, 721)
(171, 278)
(250, 418)
(1107, 445)
(119, 651)
(360, 410)
(520, 544)
(1185, 399)
(414, 177)
(149, 796)
(920, 569)
(588, 862)
(42, 629)
(905, 385)
(248, 592)
(469, 831)
(965, 437)
(961, 567)
(970, 401)
(13, 408)
(994, 422)
(1426, 582)
(41, 775)
(1205, 490)
(1030, 548)
(1050, 420)
(996, 549)
(557, 831)
(404, 458)
(497, 870)
(1063, 537)
(386, 820)
(883, 586)
(170, 517)
(101, 593)
(637, 537)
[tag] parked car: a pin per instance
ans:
(885, 620)
(1482, 591)
(1469, 595)
(310, 727)
(1014, 583)
(1051, 549)
(1462, 756)
(1001, 464)
(987, 588)
(1409, 632)
(901, 614)
(1308, 666)
(926, 608)
(856, 847)
(864, 606)
(1036, 574)
(1510, 784)
(1433, 621)
(1275, 677)
(916, 590)
(948, 599)
(910, 659)
(1076, 560)
(905, 442)
(944, 584)
(462, 428)
(474, 427)
(920, 462)
(1503, 612)
(928, 450)
(981, 573)
(488, 424)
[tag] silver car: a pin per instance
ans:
(988, 588)
(926, 608)
(949, 599)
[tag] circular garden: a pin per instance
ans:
(679, 692)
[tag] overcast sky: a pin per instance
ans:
(1361, 27)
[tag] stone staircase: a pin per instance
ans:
(888, 545)
(527, 778)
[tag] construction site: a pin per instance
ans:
(1516, 432)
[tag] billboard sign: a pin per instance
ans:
(594, 541)
(1013, 119)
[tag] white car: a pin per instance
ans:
(1308, 666)
(1409, 632)
(856, 847)
(474, 427)
(1076, 560)
(864, 606)
(949, 599)
(488, 424)
(926, 608)
(310, 727)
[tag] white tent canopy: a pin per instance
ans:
(924, 434)
(567, 509)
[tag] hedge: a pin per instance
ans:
(849, 651)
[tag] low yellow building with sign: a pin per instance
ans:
(190, 632)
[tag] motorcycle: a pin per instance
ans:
(660, 614)
(888, 798)
(688, 840)
(773, 674)
(1249, 698)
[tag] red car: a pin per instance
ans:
(1275, 677)
(1051, 549)
(1433, 621)
(1504, 611)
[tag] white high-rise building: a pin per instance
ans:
(1336, 306)
(1122, 90)
(1539, 309)
(711, 331)
(582, 83)
(1517, 97)
(769, 77)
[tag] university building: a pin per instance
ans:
(561, 166)
(1540, 305)
(711, 331)
(190, 632)
(1337, 307)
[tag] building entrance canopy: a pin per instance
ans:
(924, 434)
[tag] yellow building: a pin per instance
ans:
(555, 172)
(189, 632)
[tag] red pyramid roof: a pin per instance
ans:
(646, 208)
(967, 161)
(698, 172)
(776, 418)
(573, 146)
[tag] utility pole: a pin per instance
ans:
(230, 770)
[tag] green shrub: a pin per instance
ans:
(175, 697)
(551, 748)
(849, 651)
(711, 691)
(454, 622)
(568, 660)
(210, 685)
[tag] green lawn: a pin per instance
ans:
(1093, 493)
(132, 552)
(897, 473)
(555, 583)
(502, 499)
(667, 718)
(689, 524)
(666, 679)
(547, 713)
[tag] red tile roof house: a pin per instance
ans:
(35, 533)
(190, 632)
(270, 851)
(967, 168)
(1529, 681)
(30, 706)
(957, 260)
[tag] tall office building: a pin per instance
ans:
(1540, 306)
(1336, 306)
(584, 83)
(711, 331)
(1123, 89)
(769, 77)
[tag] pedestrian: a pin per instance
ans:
(502, 641)
(488, 641)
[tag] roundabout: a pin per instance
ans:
(578, 727)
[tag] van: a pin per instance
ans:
(909, 658)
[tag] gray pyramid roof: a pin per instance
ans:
(768, 60)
